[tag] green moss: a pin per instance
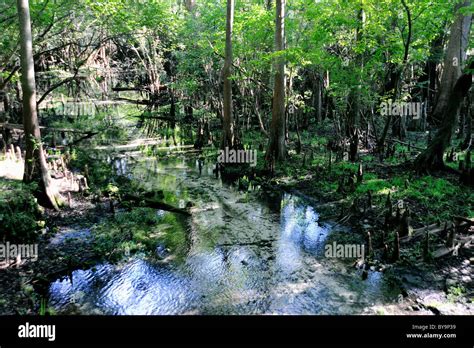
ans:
(139, 230)
(429, 188)
(345, 167)
(440, 197)
(376, 186)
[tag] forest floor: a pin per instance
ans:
(24, 286)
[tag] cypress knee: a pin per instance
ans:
(426, 247)
(396, 248)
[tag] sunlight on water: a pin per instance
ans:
(245, 257)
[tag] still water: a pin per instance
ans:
(244, 254)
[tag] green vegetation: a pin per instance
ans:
(455, 293)
(140, 230)
(20, 214)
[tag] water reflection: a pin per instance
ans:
(246, 256)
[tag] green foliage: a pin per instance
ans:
(439, 197)
(112, 190)
(374, 185)
(19, 212)
(139, 230)
(455, 293)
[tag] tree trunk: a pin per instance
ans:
(277, 147)
(173, 116)
(318, 102)
(396, 79)
(190, 5)
(36, 168)
(432, 157)
(352, 130)
(255, 96)
(228, 134)
(430, 75)
(269, 4)
(455, 56)
(5, 133)
(466, 144)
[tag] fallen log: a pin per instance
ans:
(333, 203)
(433, 229)
(86, 136)
(134, 101)
(151, 203)
(161, 118)
(443, 251)
(260, 243)
(463, 219)
(406, 144)
(138, 89)
(401, 143)
(52, 129)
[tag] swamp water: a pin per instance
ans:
(243, 254)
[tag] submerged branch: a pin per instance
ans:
(151, 203)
